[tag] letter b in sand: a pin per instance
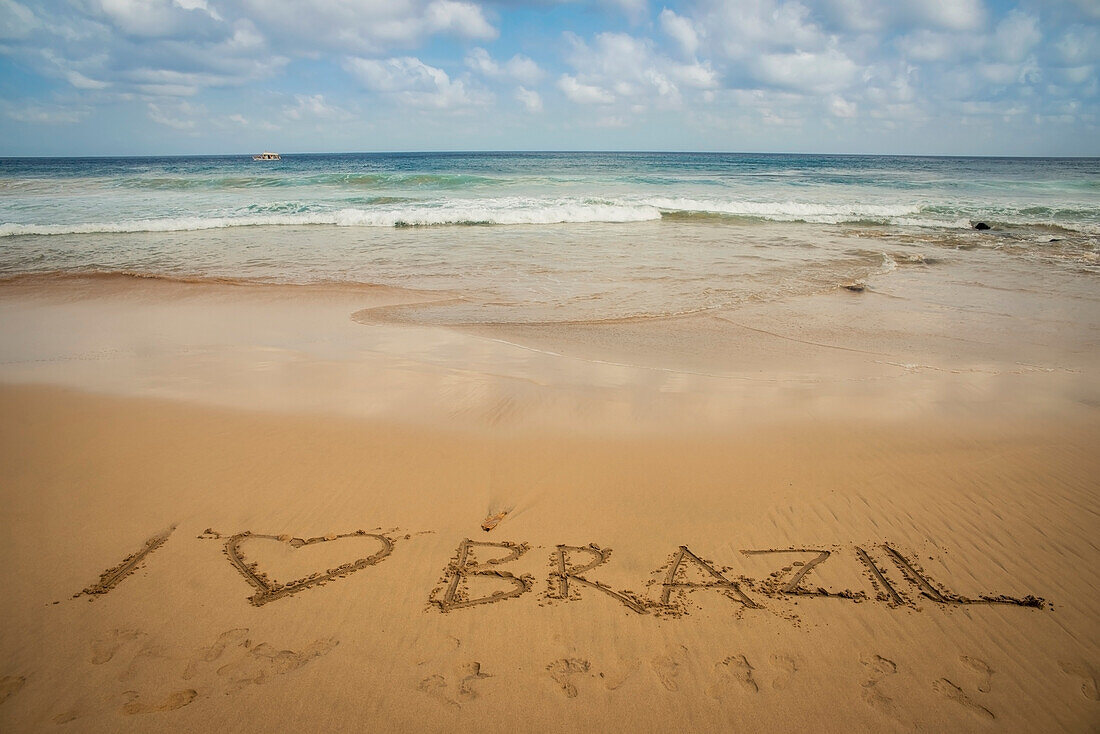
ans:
(465, 577)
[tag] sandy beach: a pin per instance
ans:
(246, 507)
(549, 366)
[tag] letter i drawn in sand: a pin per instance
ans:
(883, 588)
(113, 576)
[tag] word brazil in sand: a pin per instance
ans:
(888, 576)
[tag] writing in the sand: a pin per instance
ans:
(686, 573)
(481, 573)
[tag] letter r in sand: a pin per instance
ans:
(598, 556)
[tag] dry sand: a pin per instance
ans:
(235, 508)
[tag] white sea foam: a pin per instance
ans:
(485, 211)
(520, 210)
(938, 222)
(789, 211)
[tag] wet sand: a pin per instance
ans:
(259, 508)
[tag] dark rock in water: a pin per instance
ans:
(856, 286)
(981, 226)
(1055, 239)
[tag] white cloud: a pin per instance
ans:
(80, 81)
(172, 83)
(697, 75)
(245, 37)
(866, 16)
(583, 93)
(858, 15)
(742, 30)
(1090, 8)
(1002, 73)
(178, 117)
(519, 67)
(462, 19)
(16, 20)
(1015, 36)
(39, 114)
(372, 26)
(956, 15)
(182, 60)
(1077, 74)
(681, 30)
(531, 100)
(1079, 45)
(633, 8)
(612, 121)
(413, 82)
(64, 68)
(198, 5)
(618, 64)
(155, 17)
(840, 107)
(926, 45)
(811, 72)
(313, 106)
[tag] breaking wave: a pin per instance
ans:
(387, 211)
(788, 211)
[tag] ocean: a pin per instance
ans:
(533, 237)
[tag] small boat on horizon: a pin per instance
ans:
(267, 156)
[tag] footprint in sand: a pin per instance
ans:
(435, 685)
(735, 672)
(104, 649)
(91, 705)
(1089, 688)
(612, 679)
(878, 668)
(667, 668)
(466, 675)
(71, 715)
(263, 662)
(11, 685)
(565, 673)
(177, 700)
(230, 638)
(787, 669)
(248, 664)
(985, 673)
(147, 662)
(952, 692)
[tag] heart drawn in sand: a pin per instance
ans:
(268, 589)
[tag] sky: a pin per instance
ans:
(936, 77)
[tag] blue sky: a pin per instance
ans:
(133, 77)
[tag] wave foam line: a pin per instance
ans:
(788, 211)
(516, 210)
(486, 213)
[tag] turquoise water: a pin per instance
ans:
(56, 196)
(547, 236)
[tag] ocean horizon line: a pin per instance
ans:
(548, 151)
